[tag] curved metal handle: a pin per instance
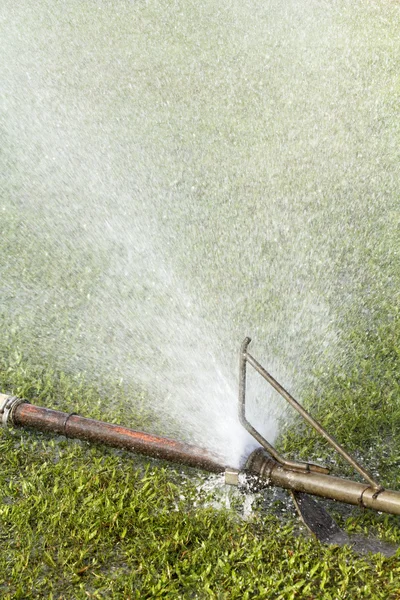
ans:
(245, 358)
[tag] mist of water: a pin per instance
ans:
(178, 176)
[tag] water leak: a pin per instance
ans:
(177, 176)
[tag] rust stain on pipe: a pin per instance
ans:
(91, 430)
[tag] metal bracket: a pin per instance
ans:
(232, 476)
(245, 358)
(8, 404)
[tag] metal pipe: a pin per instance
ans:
(326, 486)
(22, 414)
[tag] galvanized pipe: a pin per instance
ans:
(74, 426)
(318, 484)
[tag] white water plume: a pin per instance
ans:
(178, 176)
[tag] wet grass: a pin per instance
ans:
(87, 522)
(80, 521)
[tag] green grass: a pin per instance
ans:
(80, 521)
(264, 138)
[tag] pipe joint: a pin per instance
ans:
(8, 405)
(259, 463)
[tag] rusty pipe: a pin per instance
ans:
(364, 495)
(22, 414)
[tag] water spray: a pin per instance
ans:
(264, 467)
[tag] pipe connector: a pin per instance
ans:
(232, 476)
(256, 474)
(259, 463)
(8, 405)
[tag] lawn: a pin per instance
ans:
(176, 176)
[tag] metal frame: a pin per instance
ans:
(245, 358)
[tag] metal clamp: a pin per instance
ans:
(8, 405)
(245, 358)
(64, 426)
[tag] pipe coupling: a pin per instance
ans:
(261, 464)
(8, 405)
